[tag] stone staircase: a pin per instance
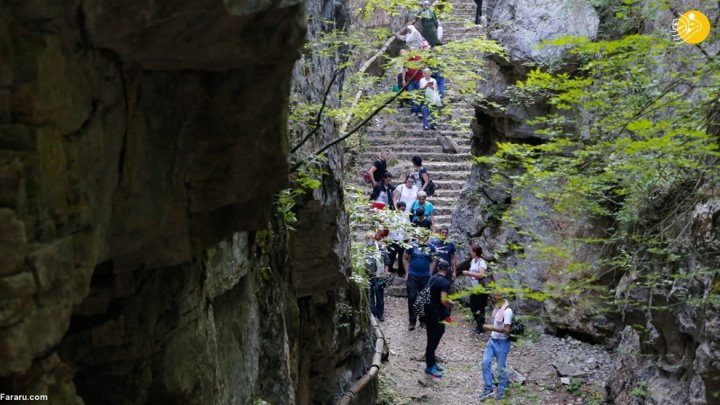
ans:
(403, 136)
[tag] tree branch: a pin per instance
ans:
(356, 128)
(319, 114)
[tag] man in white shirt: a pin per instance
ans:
(498, 346)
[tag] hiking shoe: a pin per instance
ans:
(411, 326)
(439, 367)
(486, 395)
(478, 331)
(434, 372)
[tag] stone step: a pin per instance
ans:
(428, 158)
(415, 132)
(376, 143)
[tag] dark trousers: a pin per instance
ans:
(478, 12)
(377, 298)
(478, 302)
(435, 331)
(414, 285)
(395, 251)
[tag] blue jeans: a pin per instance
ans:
(413, 87)
(414, 285)
(377, 298)
(428, 118)
(496, 348)
(441, 85)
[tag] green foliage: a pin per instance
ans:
(627, 148)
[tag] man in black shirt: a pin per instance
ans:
(435, 313)
(378, 169)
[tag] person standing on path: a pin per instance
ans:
(430, 23)
(428, 209)
(440, 304)
(478, 12)
(406, 193)
(400, 224)
(376, 266)
(420, 220)
(478, 276)
(498, 346)
(381, 195)
(431, 100)
(378, 169)
(445, 250)
(413, 73)
(420, 174)
(418, 259)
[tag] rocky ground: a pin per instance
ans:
(545, 369)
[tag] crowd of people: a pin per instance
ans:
(408, 244)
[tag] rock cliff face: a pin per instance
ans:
(141, 260)
(673, 357)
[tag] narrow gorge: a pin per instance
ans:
(180, 225)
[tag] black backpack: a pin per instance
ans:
(423, 300)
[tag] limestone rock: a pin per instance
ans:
(520, 26)
(448, 144)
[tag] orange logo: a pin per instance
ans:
(692, 27)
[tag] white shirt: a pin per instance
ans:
(505, 319)
(430, 92)
(475, 266)
(398, 222)
(407, 195)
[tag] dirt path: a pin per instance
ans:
(460, 352)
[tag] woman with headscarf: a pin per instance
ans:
(412, 37)
(429, 22)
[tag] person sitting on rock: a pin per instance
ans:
(439, 306)
(498, 346)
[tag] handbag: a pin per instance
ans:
(430, 189)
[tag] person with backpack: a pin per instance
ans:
(478, 276)
(374, 175)
(498, 346)
(435, 312)
(429, 21)
(418, 259)
(421, 176)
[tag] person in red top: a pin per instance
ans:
(412, 72)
